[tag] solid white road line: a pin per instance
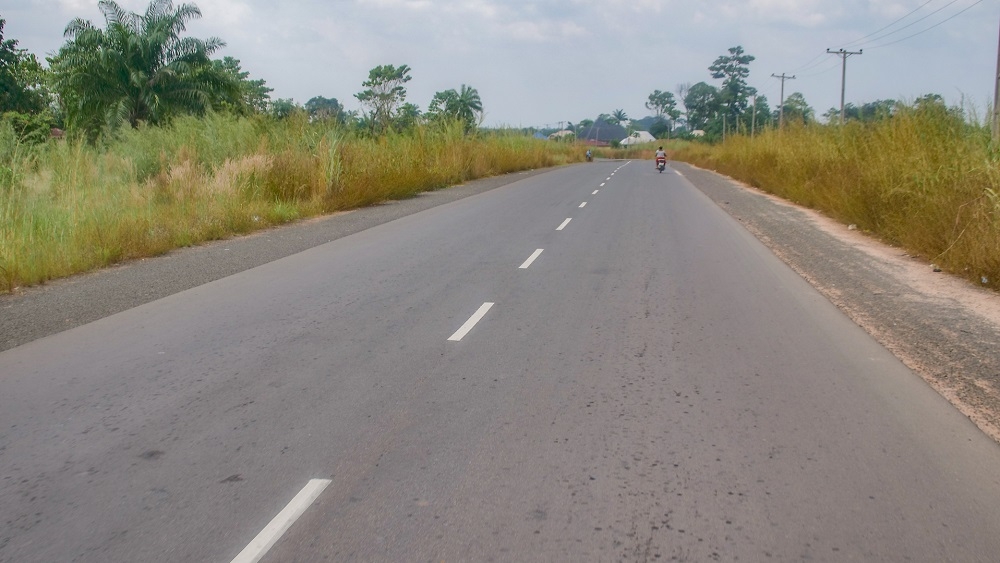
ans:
(531, 259)
(475, 318)
(584, 204)
(564, 223)
(266, 539)
(595, 192)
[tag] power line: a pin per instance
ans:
(913, 23)
(929, 28)
(915, 10)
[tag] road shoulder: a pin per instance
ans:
(941, 327)
(36, 312)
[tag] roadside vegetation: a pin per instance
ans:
(72, 206)
(920, 176)
(134, 141)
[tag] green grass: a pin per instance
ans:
(925, 180)
(68, 207)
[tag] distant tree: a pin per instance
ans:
(21, 79)
(797, 109)
(463, 105)
(618, 116)
(406, 117)
(138, 69)
(604, 118)
(703, 103)
(323, 109)
(735, 94)
(871, 111)
(383, 95)
(665, 106)
(282, 108)
(240, 95)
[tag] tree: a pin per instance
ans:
(138, 69)
(322, 109)
(20, 78)
(734, 69)
(384, 94)
(618, 116)
(664, 104)
(703, 104)
(283, 108)
(240, 94)
(796, 109)
(463, 105)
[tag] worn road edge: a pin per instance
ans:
(941, 327)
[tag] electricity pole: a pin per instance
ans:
(843, 75)
(781, 108)
(996, 100)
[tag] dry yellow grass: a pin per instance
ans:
(924, 180)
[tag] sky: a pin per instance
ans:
(543, 63)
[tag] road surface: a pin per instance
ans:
(596, 363)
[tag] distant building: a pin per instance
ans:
(602, 134)
(638, 138)
(561, 135)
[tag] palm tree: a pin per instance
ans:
(463, 105)
(138, 69)
(618, 116)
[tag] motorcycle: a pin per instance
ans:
(661, 163)
(590, 157)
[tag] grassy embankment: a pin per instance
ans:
(68, 207)
(924, 180)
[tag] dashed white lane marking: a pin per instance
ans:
(602, 184)
(678, 173)
(564, 223)
(584, 204)
(595, 192)
(608, 179)
(475, 318)
(266, 539)
(531, 259)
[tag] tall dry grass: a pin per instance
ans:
(68, 207)
(925, 180)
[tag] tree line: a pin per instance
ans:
(140, 69)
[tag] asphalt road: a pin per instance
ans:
(655, 384)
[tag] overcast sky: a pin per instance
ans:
(538, 63)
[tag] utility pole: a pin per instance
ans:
(996, 101)
(781, 108)
(843, 75)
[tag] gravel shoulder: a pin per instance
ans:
(942, 328)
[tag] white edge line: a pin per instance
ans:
(564, 223)
(475, 318)
(531, 259)
(270, 535)
(582, 205)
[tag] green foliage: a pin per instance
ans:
(137, 70)
(21, 78)
(734, 69)
(239, 94)
(867, 113)
(72, 206)
(796, 109)
(383, 95)
(320, 108)
(283, 108)
(463, 105)
(617, 117)
(703, 102)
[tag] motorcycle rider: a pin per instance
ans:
(660, 155)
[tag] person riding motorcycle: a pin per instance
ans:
(661, 158)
